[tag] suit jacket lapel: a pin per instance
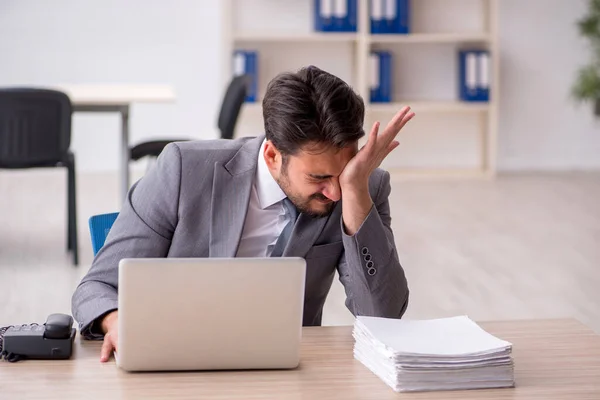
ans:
(232, 184)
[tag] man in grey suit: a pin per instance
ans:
(302, 190)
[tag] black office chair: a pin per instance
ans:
(228, 117)
(234, 98)
(35, 132)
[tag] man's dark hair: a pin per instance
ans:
(311, 105)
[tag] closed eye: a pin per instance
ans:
(320, 177)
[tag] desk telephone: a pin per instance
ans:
(52, 340)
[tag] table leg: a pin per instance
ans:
(125, 152)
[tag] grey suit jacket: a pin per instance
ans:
(193, 203)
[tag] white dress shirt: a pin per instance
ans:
(266, 216)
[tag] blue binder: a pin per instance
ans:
(324, 16)
(374, 74)
(397, 16)
(381, 82)
(389, 16)
(246, 62)
(336, 15)
(340, 15)
(377, 16)
(474, 76)
(352, 20)
(484, 75)
(385, 63)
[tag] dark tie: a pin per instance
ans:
(292, 214)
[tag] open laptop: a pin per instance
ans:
(210, 313)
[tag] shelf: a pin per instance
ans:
(430, 106)
(287, 37)
(432, 38)
(405, 174)
(416, 106)
(342, 37)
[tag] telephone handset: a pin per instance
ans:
(53, 340)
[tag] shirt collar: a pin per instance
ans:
(267, 188)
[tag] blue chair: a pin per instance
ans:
(99, 227)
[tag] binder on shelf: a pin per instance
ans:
(336, 15)
(340, 15)
(390, 16)
(385, 77)
(468, 75)
(377, 14)
(374, 72)
(484, 75)
(380, 68)
(474, 75)
(246, 63)
(397, 16)
(352, 20)
(324, 15)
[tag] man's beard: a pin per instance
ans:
(303, 204)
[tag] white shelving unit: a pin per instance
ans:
(432, 38)
(274, 37)
(430, 106)
(350, 51)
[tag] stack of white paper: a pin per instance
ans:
(439, 354)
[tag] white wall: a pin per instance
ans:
(540, 126)
(135, 41)
(178, 42)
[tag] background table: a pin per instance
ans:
(557, 359)
(116, 98)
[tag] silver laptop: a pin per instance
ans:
(210, 313)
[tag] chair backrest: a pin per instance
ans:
(235, 96)
(99, 227)
(35, 127)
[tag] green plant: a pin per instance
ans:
(587, 84)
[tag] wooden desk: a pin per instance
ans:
(558, 359)
(116, 99)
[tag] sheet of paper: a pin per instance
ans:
(447, 336)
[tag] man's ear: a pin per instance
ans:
(272, 156)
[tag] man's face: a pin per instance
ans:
(310, 178)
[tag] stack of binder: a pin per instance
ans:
(444, 354)
(474, 75)
(246, 63)
(390, 16)
(336, 15)
(380, 68)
